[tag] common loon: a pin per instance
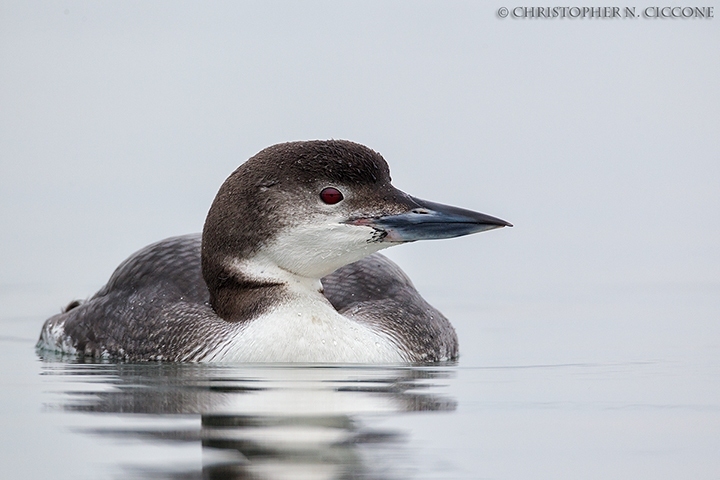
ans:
(285, 271)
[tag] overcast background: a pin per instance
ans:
(598, 139)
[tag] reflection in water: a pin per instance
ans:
(256, 421)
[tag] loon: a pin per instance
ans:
(285, 270)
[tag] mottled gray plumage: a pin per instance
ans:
(156, 307)
(376, 291)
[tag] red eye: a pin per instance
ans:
(331, 195)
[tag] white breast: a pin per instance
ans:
(308, 330)
(302, 326)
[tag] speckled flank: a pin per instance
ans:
(154, 307)
(376, 292)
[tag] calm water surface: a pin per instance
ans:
(651, 414)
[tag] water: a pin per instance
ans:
(652, 411)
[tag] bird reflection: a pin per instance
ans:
(257, 422)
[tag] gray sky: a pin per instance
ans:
(597, 138)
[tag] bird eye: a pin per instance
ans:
(331, 195)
